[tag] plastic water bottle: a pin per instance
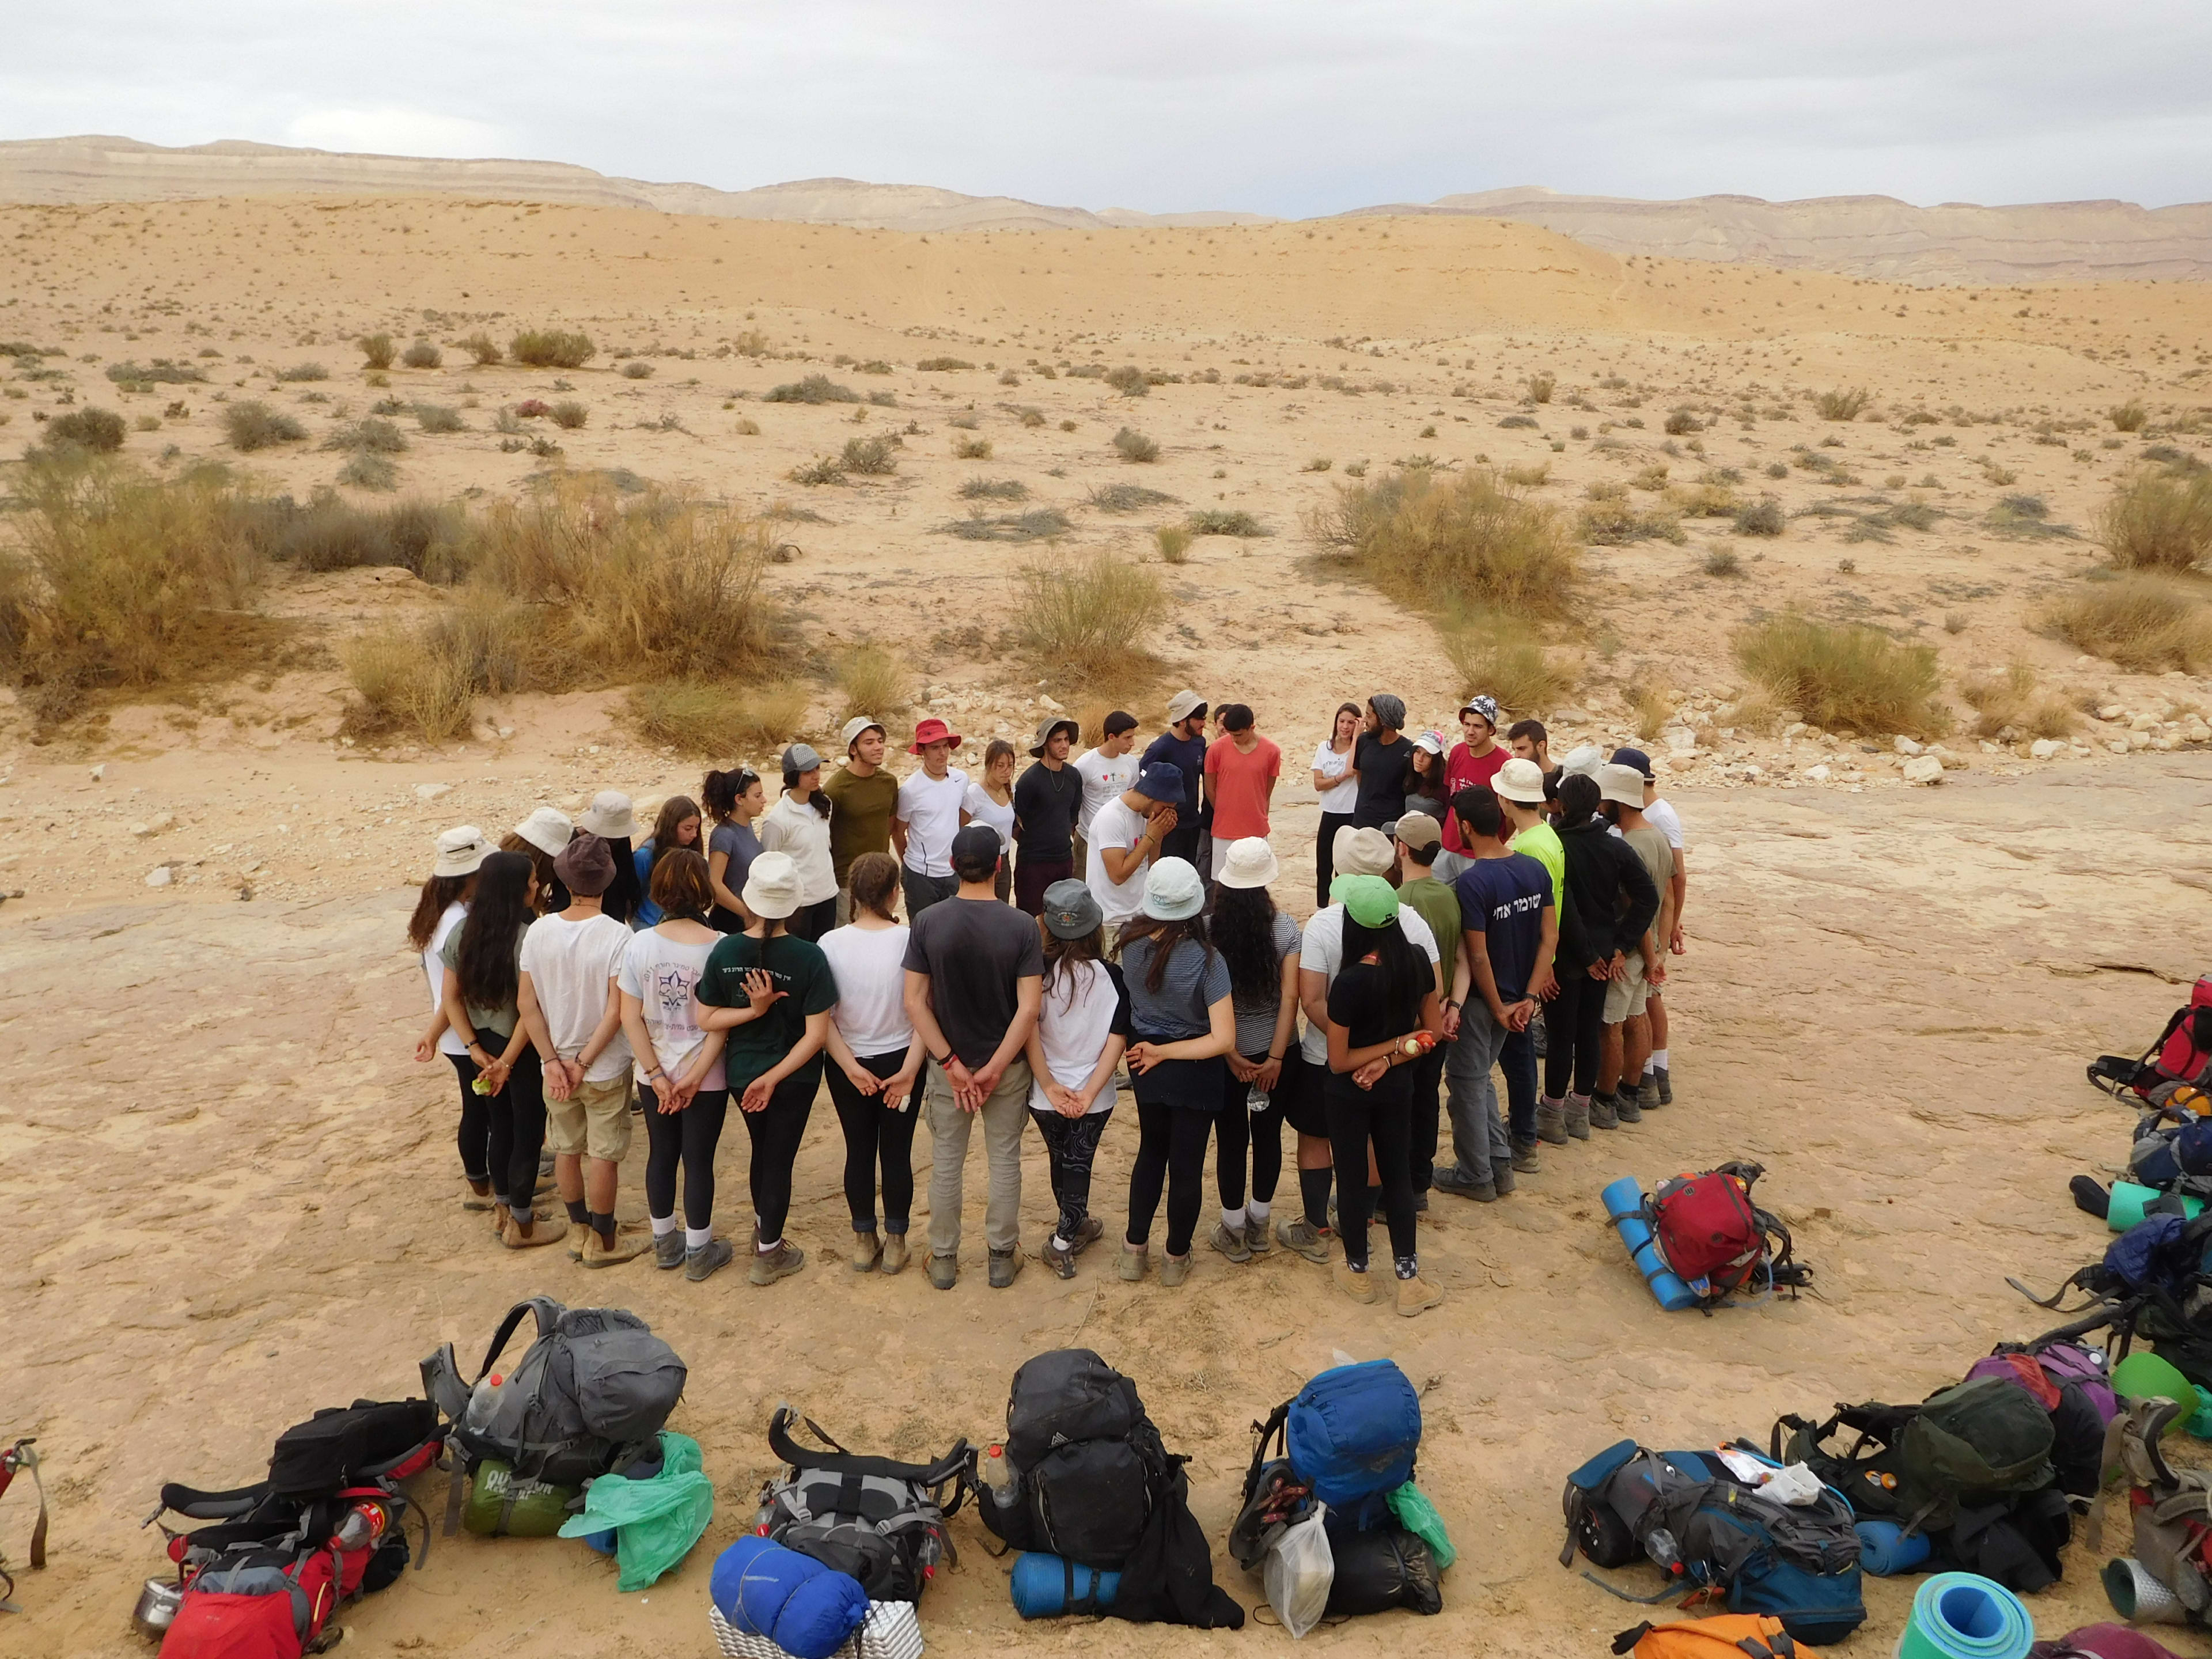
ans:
(1256, 1100)
(1663, 1549)
(1002, 1488)
(483, 1400)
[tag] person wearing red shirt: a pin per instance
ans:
(1476, 760)
(1241, 769)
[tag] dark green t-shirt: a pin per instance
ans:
(796, 966)
(859, 816)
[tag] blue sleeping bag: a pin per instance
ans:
(805, 1608)
(1353, 1433)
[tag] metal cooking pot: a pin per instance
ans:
(156, 1611)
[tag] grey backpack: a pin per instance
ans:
(596, 1383)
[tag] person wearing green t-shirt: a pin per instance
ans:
(862, 794)
(1421, 837)
(772, 993)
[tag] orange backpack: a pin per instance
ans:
(1726, 1636)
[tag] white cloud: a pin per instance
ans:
(392, 132)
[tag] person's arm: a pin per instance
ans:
(1123, 863)
(632, 1013)
(760, 993)
(809, 1045)
(849, 1063)
(895, 1089)
(898, 835)
(603, 1032)
(1678, 889)
(457, 1020)
(718, 864)
(425, 1046)
(1029, 995)
(921, 1013)
(1474, 964)
(1542, 981)
(1312, 995)
(1643, 904)
(1322, 782)
(1219, 1039)
(1286, 1028)
(530, 1025)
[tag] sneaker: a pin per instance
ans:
(784, 1260)
(1129, 1264)
(1659, 1075)
(1577, 1110)
(1174, 1269)
(1463, 1185)
(1421, 1200)
(1229, 1240)
(1087, 1234)
(1552, 1124)
(540, 1232)
(577, 1233)
(1501, 1175)
(478, 1195)
(944, 1271)
(894, 1256)
(1256, 1239)
(1647, 1093)
(867, 1250)
(1604, 1112)
(1524, 1158)
(499, 1215)
(1308, 1239)
(1062, 1262)
(1005, 1268)
(1414, 1297)
(630, 1242)
(668, 1250)
(1624, 1103)
(1360, 1287)
(709, 1259)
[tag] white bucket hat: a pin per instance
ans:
(1251, 863)
(772, 888)
(1173, 891)
(1522, 781)
(1362, 853)
(609, 816)
(460, 850)
(1622, 785)
(548, 830)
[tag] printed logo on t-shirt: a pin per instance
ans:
(672, 984)
(1520, 905)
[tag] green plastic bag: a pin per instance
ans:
(1418, 1516)
(655, 1521)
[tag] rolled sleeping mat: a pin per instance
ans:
(1048, 1586)
(2147, 1375)
(1624, 1199)
(2139, 1598)
(1888, 1550)
(1962, 1615)
(2128, 1200)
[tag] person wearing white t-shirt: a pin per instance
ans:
(799, 824)
(1082, 1029)
(989, 800)
(1336, 780)
(443, 903)
(875, 1058)
(1661, 815)
(1126, 836)
(1107, 773)
(927, 818)
(572, 1009)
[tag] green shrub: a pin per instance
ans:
(1842, 405)
(377, 350)
(873, 680)
(481, 347)
(1087, 617)
(715, 719)
(567, 413)
(1134, 445)
(2141, 622)
(1174, 541)
(871, 458)
(99, 430)
(551, 347)
(250, 425)
(814, 389)
(822, 470)
(1499, 655)
(436, 417)
(1843, 675)
(2159, 521)
(1466, 535)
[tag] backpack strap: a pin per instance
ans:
(17, 1458)
(1627, 1641)
(952, 1468)
(545, 1307)
(1272, 1428)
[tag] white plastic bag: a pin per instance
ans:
(1299, 1572)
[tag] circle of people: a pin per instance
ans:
(1104, 921)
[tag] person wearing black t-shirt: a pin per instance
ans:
(1047, 800)
(1383, 759)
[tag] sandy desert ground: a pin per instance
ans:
(235, 1193)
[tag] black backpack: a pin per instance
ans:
(1089, 1462)
(880, 1521)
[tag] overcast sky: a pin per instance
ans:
(1284, 106)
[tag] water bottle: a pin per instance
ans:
(483, 1400)
(1002, 1488)
(1256, 1100)
(1661, 1546)
(362, 1526)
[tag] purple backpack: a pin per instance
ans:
(2063, 1363)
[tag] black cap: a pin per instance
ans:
(977, 844)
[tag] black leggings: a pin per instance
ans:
(1171, 1149)
(1071, 1145)
(776, 1130)
(1574, 1025)
(1240, 1128)
(514, 1122)
(476, 1122)
(1354, 1116)
(873, 1134)
(810, 922)
(1324, 846)
(689, 1137)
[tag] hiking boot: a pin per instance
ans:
(1604, 1112)
(1551, 1122)
(1421, 1200)
(1256, 1239)
(1005, 1268)
(630, 1242)
(577, 1233)
(1415, 1297)
(1308, 1239)
(1647, 1093)
(894, 1256)
(1501, 1175)
(668, 1250)
(1524, 1157)
(1359, 1286)
(708, 1260)
(1086, 1236)
(477, 1195)
(1577, 1110)
(1666, 1085)
(1062, 1262)
(1129, 1264)
(769, 1266)
(500, 1213)
(1459, 1184)
(1174, 1269)
(866, 1251)
(525, 1236)
(1229, 1240)
(944, 1271)
(1624, 1103)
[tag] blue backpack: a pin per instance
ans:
(1350, 1435)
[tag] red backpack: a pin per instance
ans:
(2182, 1054)
(1716, 1239)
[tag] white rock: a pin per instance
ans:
(159, 876)
(1681, 740)
(100, 772)
(1904, 745)
(1049, 705)
(2044, 748)
(2118, 745)
(2143, 723)
(2138, 740)
(1988, 748)
(2198, 732)
(1816, 774)
(2161, 743)
(1795, 728)
(2112, 711)
(507, 731)
(432, 791)
(1923, 768)
(155, 825)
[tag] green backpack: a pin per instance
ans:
(1963, 1446)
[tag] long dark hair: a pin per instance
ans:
(500, 911)
(874, 882)
(680, 885)
(552, 892)
(621, 900)
(1060, 957)
(1164, 936)
(1578, 800)
(438, 892)
(718, 791)
(1428, 781)
(1244, 933)
(1407, 978)
(818, 799)
(673, 812)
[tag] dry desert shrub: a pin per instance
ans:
(370, 435)
(814, 389)
(718, 717)
(637, 369)
(873, 680)
(1721, 561)
(482, 348)
(994, 489)
(965, 448)
(1126, 498)
(304, 372)
(567, 413)
(413, 680)
(2129, 417)
(1501, 656)
(871, 458)
(1842, 405)
(253, 425)
(96, 431)
(437, 417)
(1760, 517)
(1528, 477)
(2159, 521)
(377, 350)
(2140, 623)
(431, 538)
(367, 471)
(941, 365)
(1088, 618)
(1173, 541)
(1468, 534)
(1539, 388)
(1134, 445)
(822, 470)
(1843, 674)
(551, 347)
(1038, 524)
(1129, 382)
(1225, 521)
(2011, 700)
(420, 354)
(1653, 706)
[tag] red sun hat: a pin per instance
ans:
(932, 730)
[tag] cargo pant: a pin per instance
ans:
(1479, 1138)
(1004, 1114)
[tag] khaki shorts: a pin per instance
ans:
(592, 1122)
(1625, 998)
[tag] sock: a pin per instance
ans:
(1357, 1266)
(1313, 1189)
(697, 1239)
(1060, 1243)
(1256, 1214)
(1233, 1220)
(662, 1224)
(1555, 1102)
(1658, 1062)
(1408, 1268)
(770, 1250)
(603, 1225)
(577, 1213)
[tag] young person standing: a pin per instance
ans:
(863, 795)
(439, 910)
(1659, 813)
(1336, 780)
(972, 970)
(678, 1066)
(1182, 747)
(675, 826)
(1643, 963)
(1611, 903)
(1047, 800)
(926, 817)
(875, 1059)
(1474, 759)
(572, 1011)
(734, 801)
(1419, 840)
(1384, 760)
(990, 801)
(610, 818)
(1260, 946)
(1426, 789)
(1107, 773)
(1129, 832)
(1082, 1029)
(540, 838)
(799, 824)
(1241, 771)
(772, 992)
(1529, 741)
(1182, 1020)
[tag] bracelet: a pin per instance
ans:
(941, 1064)
(1277, 1058)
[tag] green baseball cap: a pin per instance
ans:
(1367, 900)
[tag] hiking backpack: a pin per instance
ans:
(1709, 1532)
(1716, 1240)
(1350, 1438)
(594, 1387)
(1726, 1636)
(1087, 1460)
(2182, 1053)
(879, 1520)
(2170, 1508)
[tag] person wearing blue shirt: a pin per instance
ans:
(1182, 747)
